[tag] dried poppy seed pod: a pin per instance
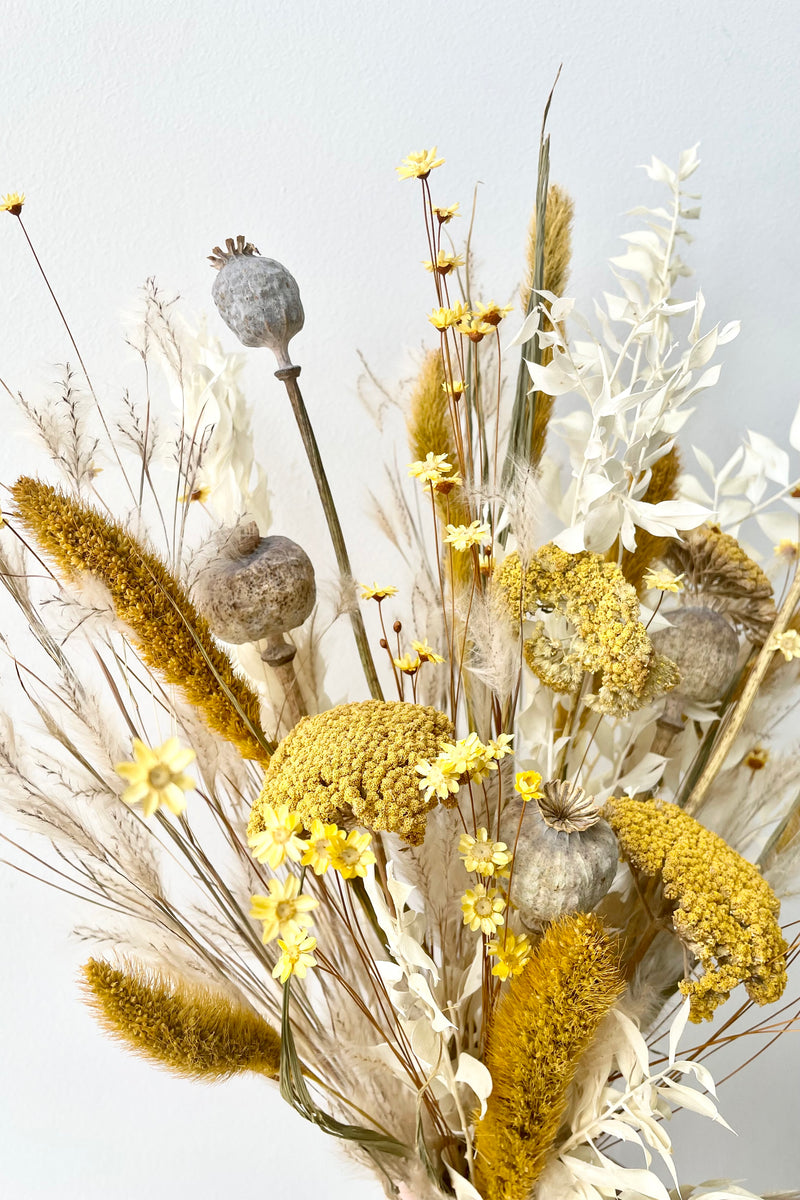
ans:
(705, 649)
(257, 588)
(257, 298)
(566, 856)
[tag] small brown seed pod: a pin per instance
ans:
(566, 856)
(257, 588)
(257, 298)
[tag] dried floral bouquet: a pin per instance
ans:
(462, 928)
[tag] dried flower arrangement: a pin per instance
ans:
(507, 889)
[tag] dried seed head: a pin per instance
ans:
(566, 807)
(705, 648)
(257, 298)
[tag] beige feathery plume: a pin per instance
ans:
(170, 634)
(192, 1030)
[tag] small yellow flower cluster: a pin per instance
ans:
(435, 471)
(472, 323)
(459, 761)
(788, 643)
(12, 203)
(609, 638)
(355, 764)
(419, 165)
(464, 537)
(328, 846)
(725, 913)
(512, 952)
(286, 915)
(156, 776)
(663, 581)
(409, 665)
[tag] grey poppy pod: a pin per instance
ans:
(705, 649)
(257, 588)
(566, 856)
(257, 298)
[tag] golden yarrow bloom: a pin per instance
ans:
(481, 855)
(511, 952)
(443, 215)
(296, 957)
(474, 328)
(324, 840)
(483, 909)
(492, 313)
(352, 855)
(426, 652)
(663, 581)
(376, 593)
(156, 776)
(463, 537)
(438, 779)
(447, 318)
(280, 839)
(444, 264)
(420, 165)
(528, 784)
(284, 911)
(407, 664)
(788, 643)
(12, 203)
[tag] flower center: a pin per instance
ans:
(321, 847)
(483, 907)
(482, 852)
(349, 855)
(159, 776)
(281, 835)
(284, 910)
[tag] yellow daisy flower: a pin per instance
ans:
(426, 652)
(444, 264)
(788, 643)
(447, 318)
(407, 664)
(500, 746)
(283, 911)
(474, 328)
(787, 549)
(155, 776)
(663, 581)
(351, 856)
(438, 779)
(420, 165)
(462, 537)
(377, 593)
(280, 840)
(455, 389)
(511, 956)
(443, 215)
(431, 469)
(468, 757)
(492, 313)
(481, 855)
(13, 203)
(483, 909)
(446, 483)
(323, 843)
(296, 957)
(527, 783)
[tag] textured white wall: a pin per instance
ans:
(143, 133)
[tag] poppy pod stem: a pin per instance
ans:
(288, 376)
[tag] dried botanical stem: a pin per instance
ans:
(288, 375)
(749, 692)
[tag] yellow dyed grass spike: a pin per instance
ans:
(190, 1029)
(171, 636)
(540, 1029)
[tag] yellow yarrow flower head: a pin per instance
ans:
(420, 165)
(463, 537)
(483, 909)
(284, 911)
(352, 855)
(407, 664)
(426, 652)
(443, 215)
(474, 328)
(528, 784)
(355, 764)
(788, 643)
(296, 957)
(430, 469)
(512, 953)
(279, 839)
(481, 855)
(12, 203)
(787, 549)
(444, 264)
(376, 593)
(438, 779)
(448, 318)
(663, 581)
(156, 776)
(492, 313)
(323, 842)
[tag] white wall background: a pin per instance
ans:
(143, 133)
